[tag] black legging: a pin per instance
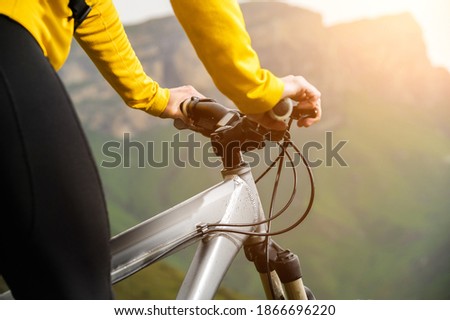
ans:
(54, 231)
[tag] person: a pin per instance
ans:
(56, 243)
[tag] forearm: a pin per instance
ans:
(103, 38)
(216, 29)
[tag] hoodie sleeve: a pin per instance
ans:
(102, 37)
(217, 30)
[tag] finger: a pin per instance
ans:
(307, 122)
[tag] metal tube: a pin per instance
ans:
(295, 290)
(276, 285)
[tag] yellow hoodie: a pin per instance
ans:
(217, 33)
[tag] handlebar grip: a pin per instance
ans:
(282, 110)
(203, 111)
(285, 109)
(205, 115)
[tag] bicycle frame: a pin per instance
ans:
(213, 216)
(235, 200)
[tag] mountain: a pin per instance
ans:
(379, 224)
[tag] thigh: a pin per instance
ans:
(55, 243)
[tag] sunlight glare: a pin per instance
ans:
(432, 15)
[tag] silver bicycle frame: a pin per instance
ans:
(235, 200)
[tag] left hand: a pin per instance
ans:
(177, 96)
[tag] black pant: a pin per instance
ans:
(54, 231)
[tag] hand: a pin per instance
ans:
(297, 89)
(307, 96)
(177, 96)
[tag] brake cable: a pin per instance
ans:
(210, 228)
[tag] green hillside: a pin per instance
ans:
(160, 281)
(379, 226)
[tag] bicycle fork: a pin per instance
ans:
(279, 269)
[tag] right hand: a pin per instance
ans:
(307, 96)
(299, 90)
(177, 96)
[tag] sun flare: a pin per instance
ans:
(432, 15)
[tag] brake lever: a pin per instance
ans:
(303, 113)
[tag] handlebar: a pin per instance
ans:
(207, 115)
(231, 132)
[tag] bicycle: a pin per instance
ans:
(225, 217)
